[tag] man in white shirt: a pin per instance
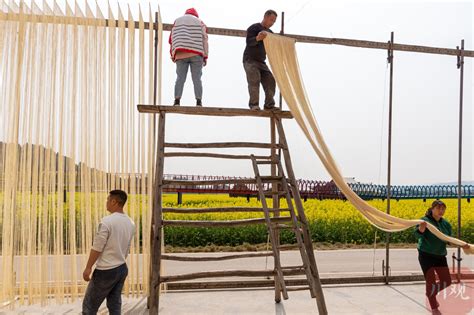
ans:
(109, 251)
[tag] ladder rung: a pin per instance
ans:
(297, 288)
(213, 155)
(271, 178)
(292, 267)
(282, 226)
(289, 247)
(222, 223)
(223, 145)
(220, 209)
(272, 193)
(267, 162)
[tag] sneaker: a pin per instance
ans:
(269, 107)
(254, 107)
(198, 102)
(176, 102)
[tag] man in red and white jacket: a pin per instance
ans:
(189, 49)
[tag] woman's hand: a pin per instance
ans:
(422, 227)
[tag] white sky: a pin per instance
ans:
(348, 88)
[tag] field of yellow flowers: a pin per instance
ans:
(332, 221)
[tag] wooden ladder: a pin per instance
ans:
(296, 221)
(274, 228)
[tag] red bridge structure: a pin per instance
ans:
(317, 189)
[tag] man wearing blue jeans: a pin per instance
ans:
(189, 49)
(109, 250)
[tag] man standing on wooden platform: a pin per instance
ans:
(189, 48)
(110, 249)
(254, 62)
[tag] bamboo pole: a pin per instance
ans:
(299, 38)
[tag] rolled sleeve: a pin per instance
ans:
(100, 238)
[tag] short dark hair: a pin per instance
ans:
(270, 12)
(119, 195)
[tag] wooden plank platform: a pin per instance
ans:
(213, 111)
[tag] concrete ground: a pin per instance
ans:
(355, 299)
(398, 298)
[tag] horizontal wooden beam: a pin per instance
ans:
(346, 42)
(222, 223)
(236, 284)
(215, 155)
(223, 145)
(242, 33)
(222, 210)
(288, 247)
(215, 258)
(213, 111)
(167, 182)
(228, 273)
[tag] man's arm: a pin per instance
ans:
(252, 33)
(100, 240)
(93, 256)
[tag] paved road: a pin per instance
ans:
(348, 262)
(331, 263)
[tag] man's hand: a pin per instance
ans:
(261, 36)
(86, 275)
(204, 63)
(466, 246)
(422, 227)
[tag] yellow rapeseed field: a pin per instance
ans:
(330, 221)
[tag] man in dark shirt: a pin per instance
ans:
(254, 62)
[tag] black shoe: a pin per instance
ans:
(254, 107)
(176, 102)
(269, 107)
(198, 102)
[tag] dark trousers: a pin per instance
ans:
(431, 265)
(259, 73)
(105, 284)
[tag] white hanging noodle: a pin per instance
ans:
(283, 61)
(69, 128)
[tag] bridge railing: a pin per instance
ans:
(320, 189)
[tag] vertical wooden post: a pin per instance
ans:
(460, 65)
(389, 161)
(154, 155)
(157, 219)
(276, 200)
